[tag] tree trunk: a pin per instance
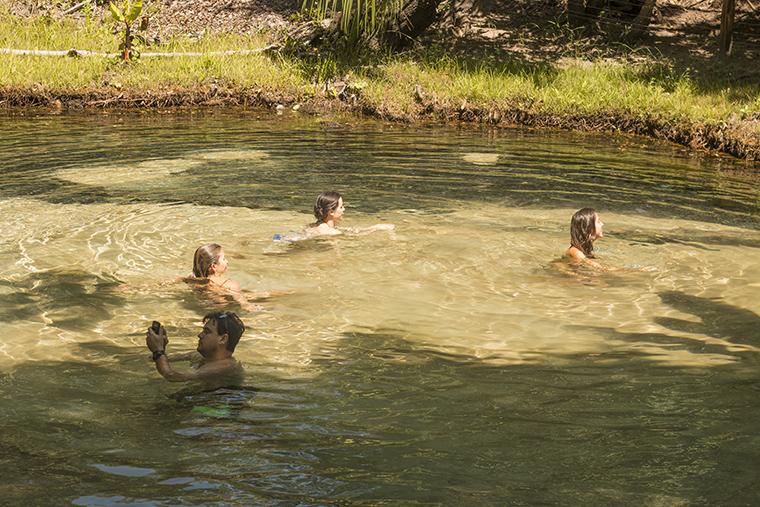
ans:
(412, 21)
(575, 12)
(640, 23)
(594, 7)
(462, 12)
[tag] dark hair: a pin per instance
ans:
(227, 323)
(582, 230)
(205, 256)
(326, 202)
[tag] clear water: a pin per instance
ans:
(450, 362)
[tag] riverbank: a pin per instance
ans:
(631, 92)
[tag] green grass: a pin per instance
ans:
(71, 74)
(650, 87)
(583, 87)
(65, 74)
(47, 33)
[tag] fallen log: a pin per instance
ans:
(76, 8)
(84, 52)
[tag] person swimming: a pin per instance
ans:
(209, 265)
(328, 211)
(216, 345)
(585, 228)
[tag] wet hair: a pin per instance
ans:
(582, 230)
(227, 323)
(326, 202)
(205, 256)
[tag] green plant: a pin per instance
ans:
(126, 15)
(357, 20)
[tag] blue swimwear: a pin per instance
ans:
(290, 238)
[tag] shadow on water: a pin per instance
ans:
(57, 415)
(693, 240)
(108, 426)
(443, 428)
(383, 420)
(382, 191)
(381, 168)
(732, 324)
(72, 300)
(718, 319)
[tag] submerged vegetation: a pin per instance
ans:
(646, 95)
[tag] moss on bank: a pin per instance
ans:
(646, 98)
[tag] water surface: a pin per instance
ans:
(448, 362)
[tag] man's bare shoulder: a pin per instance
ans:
(229, 366)
(223, 373)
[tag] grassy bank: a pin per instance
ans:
(647, 97)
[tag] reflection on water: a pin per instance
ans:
(448, 362)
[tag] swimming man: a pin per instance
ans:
(216, 344)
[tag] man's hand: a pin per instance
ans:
(156, 341)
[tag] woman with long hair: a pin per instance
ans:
(585, 228)
(328, 211)
(210, 264)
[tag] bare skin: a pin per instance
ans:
(576, 255)
(218, 283)
(218, 367)
(330, 226)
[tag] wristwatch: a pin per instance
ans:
(158, 354)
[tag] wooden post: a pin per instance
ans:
(726, 26)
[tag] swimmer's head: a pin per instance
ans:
(585, 227)
(328, 203)
(209, 260)
(215, 326)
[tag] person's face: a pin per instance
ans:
(337, 213)
(208, 339)
(220, 266)
(598, 225)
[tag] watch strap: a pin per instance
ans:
(158, 354)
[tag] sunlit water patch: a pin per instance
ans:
(151, 172)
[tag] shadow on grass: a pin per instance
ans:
(682, 42)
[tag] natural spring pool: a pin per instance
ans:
(449, 362)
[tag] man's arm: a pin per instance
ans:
(183, 356)
(163, 367)
(157, 343)
(205, 371)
